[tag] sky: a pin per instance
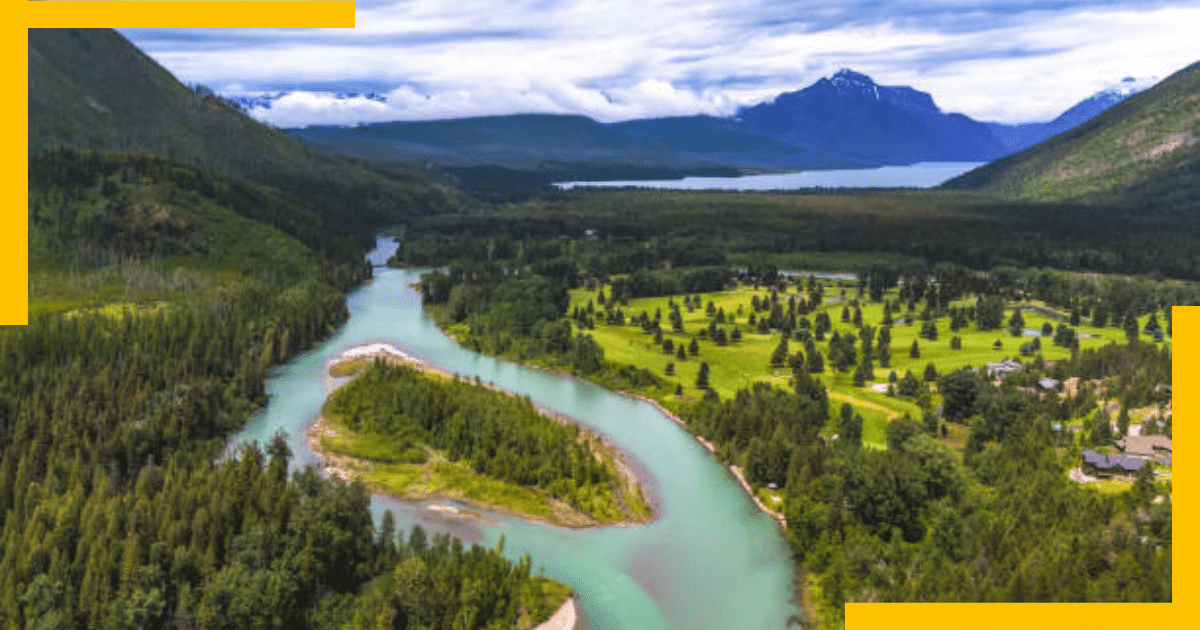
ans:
(1016, 61)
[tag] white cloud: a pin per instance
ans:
(623, 59)
(645, 99)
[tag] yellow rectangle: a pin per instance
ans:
(190, 14)
(14, 169)
(14, 136)
(1185, 368)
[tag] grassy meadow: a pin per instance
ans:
(379, 464)
(740, 363)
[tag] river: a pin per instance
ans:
(711, 560)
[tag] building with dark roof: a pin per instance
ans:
(1099, 464)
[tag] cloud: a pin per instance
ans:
(619, 59)
(645, 99)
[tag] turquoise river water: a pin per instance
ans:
(711, 559)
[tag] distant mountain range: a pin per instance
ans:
(844, 121)
(531, 140)
(1018, 137)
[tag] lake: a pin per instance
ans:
(920, 175)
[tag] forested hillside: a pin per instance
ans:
(162, 289)
(161, 296)
(1142, 152)
(91, 88)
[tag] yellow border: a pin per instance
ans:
(13, 286)
(1186, 598)
(14, 134)
(188, 14)
(14, 180)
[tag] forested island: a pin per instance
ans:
(419, 433)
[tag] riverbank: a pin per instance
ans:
(348, 455)
(562, 619)
(733, 469)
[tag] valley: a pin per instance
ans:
(386, 375)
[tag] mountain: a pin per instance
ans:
(851, 115)
(731, 142)
(513, 139)
(91, 88)
(688, 143)
(1022, 136)
(1143, 151)
(844, 121)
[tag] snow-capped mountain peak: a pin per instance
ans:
(849, 81)
(1131, 85)
(264, 100)
(1102, 100)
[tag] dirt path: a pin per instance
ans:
(891, 414)
(563, 619)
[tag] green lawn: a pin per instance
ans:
(378, 466)
(1109, 486)
(741, 363)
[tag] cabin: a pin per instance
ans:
(998, 370)
(1097, 464)
(1048, 384)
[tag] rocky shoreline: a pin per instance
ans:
(737, 472)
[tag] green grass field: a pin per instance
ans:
(379, 465)
(740, 363)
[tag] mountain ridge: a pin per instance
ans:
(1142, 151)
(93, 89)
(843, 121)
(852, 115)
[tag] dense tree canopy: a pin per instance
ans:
(504, 437)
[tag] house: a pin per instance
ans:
(1144, 445)
(1098, 464)
(998, 370)
(1048, 384)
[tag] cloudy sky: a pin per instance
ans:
(1012, 61)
